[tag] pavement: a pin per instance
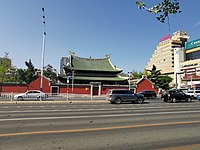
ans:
(53, 102)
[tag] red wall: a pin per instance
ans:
(14, 88)
(77, 89)
(145, 85)
(35, 85)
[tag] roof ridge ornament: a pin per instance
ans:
(108, 55)
(71, 53)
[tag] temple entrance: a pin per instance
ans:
(95, 88)
(95, 91)
(54, 89)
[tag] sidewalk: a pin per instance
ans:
(54, 102)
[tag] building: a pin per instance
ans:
(97, 73)
(163, 56)
(190, 67)
(63, 62)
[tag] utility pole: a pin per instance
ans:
(43, 50)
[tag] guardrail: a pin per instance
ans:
(52, 97)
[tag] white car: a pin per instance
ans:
(32, 94)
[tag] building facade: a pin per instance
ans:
(164, 56)
(190, 67)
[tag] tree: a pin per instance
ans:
(137, 75)
(162, 81)
(5, 64)
(154, 75)
(27, 75)
(164, 9)
(50, 72)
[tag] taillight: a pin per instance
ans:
(110, 96)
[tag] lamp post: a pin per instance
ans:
(129, 80)
(43, 50)
(72, 81)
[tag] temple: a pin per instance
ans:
(88, 70)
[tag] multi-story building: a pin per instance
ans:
(63, 62)
(163, 56)
(190, 68)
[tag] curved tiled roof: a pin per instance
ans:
(89, 64)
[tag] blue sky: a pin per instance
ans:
(90, 28)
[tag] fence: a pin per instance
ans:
(50, 97)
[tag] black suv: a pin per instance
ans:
(175, 95)
(148, 93)
(118, 96)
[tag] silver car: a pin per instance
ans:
(118, 96)
(32, 94)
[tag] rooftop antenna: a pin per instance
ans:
(43, 49)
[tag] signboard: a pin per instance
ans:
(192, 44)
(165, 38)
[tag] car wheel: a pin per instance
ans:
(139, 100)
(189, 99)
(174, 100)
(20, 98)
(118, 101)
(39, 98)
(170, 100)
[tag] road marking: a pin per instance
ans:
(97, 129)
(99, 116)
(97, 109)
(187, 147)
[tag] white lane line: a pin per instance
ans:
(98, 116)
(96, 109)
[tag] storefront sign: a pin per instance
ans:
(192, 44)
(165, 38)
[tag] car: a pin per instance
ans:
(32, 94)
(193, 93)
(175, 95)
(118, 96)
(148, 93)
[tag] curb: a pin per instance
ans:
(53, 102)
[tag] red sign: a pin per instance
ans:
(165, 38)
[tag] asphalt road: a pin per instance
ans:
(98, 126)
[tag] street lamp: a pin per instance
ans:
(43, 49)
(129, 80)
(72, 81)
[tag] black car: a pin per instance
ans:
(149, 93)
(120, 95)
(175, 95)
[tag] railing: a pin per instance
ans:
(51, 97)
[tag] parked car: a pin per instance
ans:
(148, 93)
(32, 94)
(193, 93)
(175, 95)
(121, 95)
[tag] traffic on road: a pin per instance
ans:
(90, 125)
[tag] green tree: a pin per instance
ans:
(5, 65)
(162, 81)
(163, 9)
(137, 75)
(154, 75)
(50, 72)
(27, 75)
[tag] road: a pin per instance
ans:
(97, 126)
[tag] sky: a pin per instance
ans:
(90, 28)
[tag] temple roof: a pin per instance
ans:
(89, 64)
(100, 78)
